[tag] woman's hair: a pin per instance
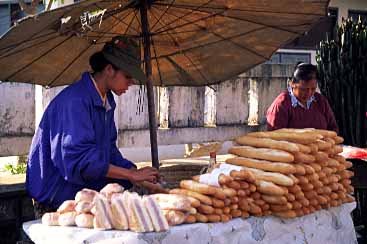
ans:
(304, 72)
(98, 62)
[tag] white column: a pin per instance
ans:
(253, 118)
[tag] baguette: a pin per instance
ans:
(270, 188)
(302, 138)
(222, 179)
(320, 156)
(262, 153)
(286, 214)
(244, 184)
(202, 198)
(205, 209)
(290, 197)
(263, 165)
(218, 211)
(218, 203)
(323, 145)
(267, 143)
(243, 175)
(225, 218)
(190, 219)
(338, 139)
(280, 208)
(213, 218)
(274, 199)
(303, 158)
(197, 187)
(201, 218)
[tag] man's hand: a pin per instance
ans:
(144, 174)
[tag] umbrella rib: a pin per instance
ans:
(38, 58)
(192, 10)
(25, 48)
(119, 19)
(223, 38)
(137, 19)
(241, 19)
(191, 22)
(47, 26)
(11, 46)
(243, 10)
(165, 11)
(212, 43)
(196, 67)
(175, 43)
(131, 21)
(201, 73)
(33, 45)
(155, 53)
(116, 33)
(81, 53)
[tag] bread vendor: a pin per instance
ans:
(74, 146)
(300, 106)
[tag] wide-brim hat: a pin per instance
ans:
(124, 53)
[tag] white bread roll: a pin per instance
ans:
(67, 219)
(66, 206)
(84, 220)
(103, 216)
(83, 207)
(119, 211)
(156, 215)
(139, 219)
(51, 219)
(86, 195)
(173, 201)
(174, 217)
(111, 188)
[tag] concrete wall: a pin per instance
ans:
(345, 5)
(181, 111)
(16, 118)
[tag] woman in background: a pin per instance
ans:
(300, 106)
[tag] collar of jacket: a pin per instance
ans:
(91, 89)
(295, 101)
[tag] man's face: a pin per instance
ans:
(303, 90)
(119, 81)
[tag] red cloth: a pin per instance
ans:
(281, 114)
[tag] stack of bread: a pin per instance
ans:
(287, 173)
(227, 192)
(111, 208)
(297, 171)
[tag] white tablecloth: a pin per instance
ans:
(323, 227)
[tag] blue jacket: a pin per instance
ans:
(73, 145)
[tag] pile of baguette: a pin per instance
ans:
(286, 173)
(297, 171)
(111, 208)
(221, 195)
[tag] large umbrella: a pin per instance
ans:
(184, 42)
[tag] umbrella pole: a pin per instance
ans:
(148, 72)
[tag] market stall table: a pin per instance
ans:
(332, 226)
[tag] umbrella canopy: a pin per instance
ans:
(184, 42)
(192, 42)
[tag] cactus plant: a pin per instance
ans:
(342, 67)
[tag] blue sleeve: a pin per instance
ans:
(80, 161)
(116, 157)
